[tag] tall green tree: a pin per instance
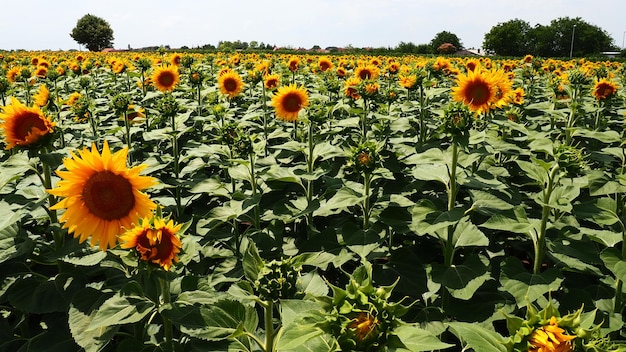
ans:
(511, 38)
(587, 39)
(93, 32)
(445, 37)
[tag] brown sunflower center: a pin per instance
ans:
(166, 79)
(478, 92)
(108, 196)
(26, 123)
(365, 74)
(230, 85)
(292, 102)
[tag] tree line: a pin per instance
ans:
(561, 38)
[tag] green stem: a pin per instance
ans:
(269, 325)
(47, 183)
(264, 118)
(253, 182)
(199, 100)
(176, 156)
(452, 191)
(127, 129)
(310, 162)
(539, 244)
(367, 177)
(167, 324)
(422, 135)
(364, 120)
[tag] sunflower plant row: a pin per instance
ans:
(277, 202)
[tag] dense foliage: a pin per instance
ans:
(93, 32)
(559, 38)
(299, 202)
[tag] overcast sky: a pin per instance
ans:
(46, 24)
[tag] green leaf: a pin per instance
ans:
(85, 257)
(467, 234)
(605, 237)
(432, 172)
(120, 310)
(343, 199)
(223, 319)
(602, 211)
(462, 281)
(526, 287)
(252, 262)
(613, 260)
(487, 202)
(477, 337)
(534, 171)
(415, 339)
(514, 220)
(304, 338)
(91, 340)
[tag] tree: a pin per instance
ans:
(93, 32)
(512, 38)
(445, 37)
(588, 39)
(517, 38)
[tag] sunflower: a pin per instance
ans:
(102, 195)
(230, 84)
(165, 78)
(351, 88)
(324, 64)
(475, 89)
(175, 59)
(42, 96)
(271, 81)
(294, 62)
(518, 96)
(408, 81)
(551, 338)
(22, 125)
(71, 100)
(367, 72)
(155, 240)
(13, 73)
(604, 89)
(288, 102)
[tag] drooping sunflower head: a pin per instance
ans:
(101, 195)
(475, 89)
(155, 240)
(288, 102)
(230, 83)
(165, 78)
(22, 125)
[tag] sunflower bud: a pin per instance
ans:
(364, 158)
(277, 279)
(168, 106)
(120, 103)
(570, 159)
(457, 120)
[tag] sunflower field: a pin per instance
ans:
(164, 201)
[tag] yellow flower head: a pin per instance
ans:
(155, 240)
(22, 125)
(101, 195)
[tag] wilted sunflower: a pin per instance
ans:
(101, 195)
(475, 89)
(604, 89)
(230, 83)
(165, 78)
(22, 125)
(288, 102)
(155, 240)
